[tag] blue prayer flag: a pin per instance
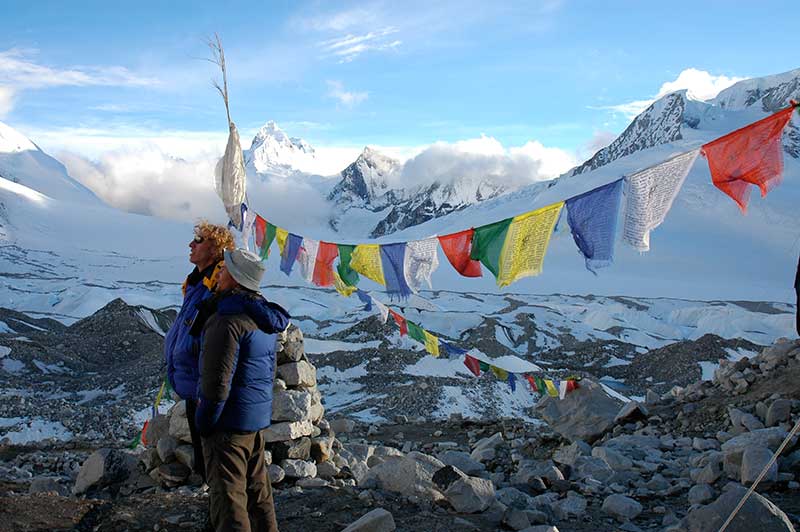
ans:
(365, 298)
(392, 260)
(290, 251)
(592, 218)
(512, 381)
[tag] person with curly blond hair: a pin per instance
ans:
(182, 350)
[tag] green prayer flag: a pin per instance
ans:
(540, 386)
(483, 365)
(348, 275)
(416, 332)
(487, 243)
(269, 236)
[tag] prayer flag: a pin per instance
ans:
(392, 261)
(551, 389)
(281, 235)
(650, 194)
(230, 179)
(323, 266)
(365, 298)
(420, 261)
(416, 332)
(526, 243)
(457, 248)
(290, 251)
(562, 389)
(473, 365)
(512, 381)
(247, 225)
(259, 231)
(400, 321)
(487, 244)
(450, 350)
(484, 366)
(500, 373)
(752, 155)
(431, 344)
(592, 218)
(344, 289)
(383, 309)
(532, 382)
(366, 260)
(540, 385)
(572, 385)
(348, 275)
(307, 258)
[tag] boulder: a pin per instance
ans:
(299, 449)
(615, 460)
(700, 494)
(342, 425)
(758, 513)
(299, 373)
(179, 425)
(185, 455)
(567, 455)
(444, 477)
(470, 494)
(591, 467)
(621, 507)
(321, 449)
(410, 475)
(779, 411)
(276, 473)
(754, 460)
(573, 505)
(156, 429)
(327, 470)
(770, 438)
(166, 448)
(292, 350)
(514, 498)
(174, 473)
(631, 412)
(47, 485)
(104, 467)
(462, 461)
(584, 414)
(287, 430)
(298, 468)
(291, 405)
(378, 520)
(544, 469)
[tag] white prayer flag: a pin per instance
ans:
(247, 229)
(650, 194)
(307, 258)
(230, 176)
(384, 310)
(420, 261)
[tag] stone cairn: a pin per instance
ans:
(299, 442)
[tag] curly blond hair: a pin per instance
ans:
(219, 235)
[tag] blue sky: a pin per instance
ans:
(92, 76)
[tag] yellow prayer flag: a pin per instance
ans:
(500, 373)
(431, 343)
(526, 244)
(281, 235)
(341, 287)
(551, 388)
(366, 260)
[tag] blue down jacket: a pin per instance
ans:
(181, 350)
(237, 362)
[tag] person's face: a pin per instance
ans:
(201, 251)
(224, 280)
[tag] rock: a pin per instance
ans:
(616, 461)
(298, 374)
(573, 505)
(298, 468)
(779, 411)
(584, 414)
(104, 467)
(174, 473)
(157, 428)
(652, 398)
(528, 471)
(411, 475)
(462, 461)
(378, 520)
(483, 455)
(276, 473)
(166, 448)
(770, 438)
(754, 459)
(751, 422)
(700, 494)
(631, 412)
(470, 494)
(287, 430)
(567, 455)
(299, 449)
(185, 455)
(591, 467)
(311, 482)
(444, 477)
(702, 444)
(621, 507)
(359, 469)
(758, 513)
(342, 425)
(514, 498)
(321, 449)
(291, 405)
(516, 519)
(540, 528)
(292, 345)
(149, 459)
(327, 470)
(47, 485)
(178, 424)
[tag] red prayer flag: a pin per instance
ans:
(261, 230)
(457, 248)
(752, 155)
(532, 382)
(473, 365)
(323, 266)
(400, 321)
(572, 385)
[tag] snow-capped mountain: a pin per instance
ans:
(273, 152)
(365, 179)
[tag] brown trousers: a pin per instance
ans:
(241, 494)
(197, 441)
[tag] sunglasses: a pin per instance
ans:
(198, 239)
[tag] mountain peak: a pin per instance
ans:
(366, 178)
(274, 152)
(12, 141)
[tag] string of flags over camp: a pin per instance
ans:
(515, 247)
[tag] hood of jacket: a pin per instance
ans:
(268, 316)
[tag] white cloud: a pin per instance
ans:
(350, 46)
(485, 158)
(348, 99)
(6, 100)
(17, 68)
(599, 140)
(699, 84)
